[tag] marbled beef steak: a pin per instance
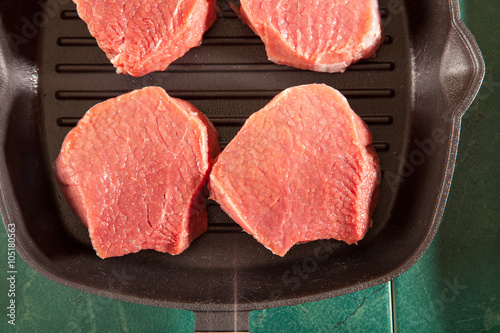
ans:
(134, 170)
(303, 168)
(142, 36)
(318, 35)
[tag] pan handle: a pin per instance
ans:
(460, 50)
(221, 321)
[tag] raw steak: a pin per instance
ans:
(142, 36)
(300, 169)
(134, 170)
(319, 35)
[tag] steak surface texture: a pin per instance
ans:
(302, 168)
(134, 170)
(142, 36)
(317, 35)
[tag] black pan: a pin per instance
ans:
(412, 94)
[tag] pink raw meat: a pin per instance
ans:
(301, 169)
(134, 170)
(318, 35)
(142, 36)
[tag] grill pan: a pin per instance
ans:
(412, 94)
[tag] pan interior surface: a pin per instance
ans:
(399, 93)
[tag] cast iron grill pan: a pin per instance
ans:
(420, 81)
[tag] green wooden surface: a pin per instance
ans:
(367, 310)
(455, 287)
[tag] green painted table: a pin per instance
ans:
(455, 287)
